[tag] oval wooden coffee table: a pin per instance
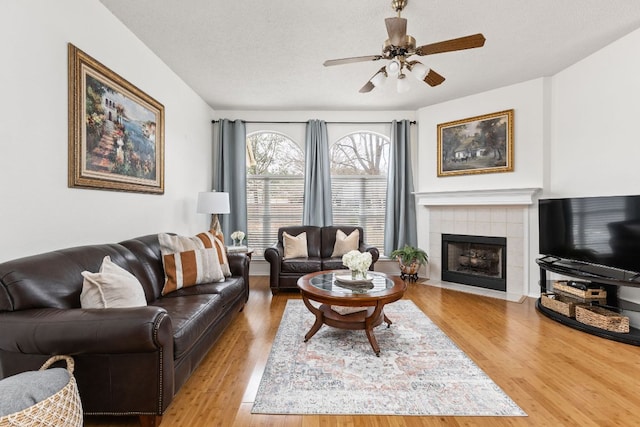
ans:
(326, 288)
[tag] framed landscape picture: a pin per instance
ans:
(116, 131)
(481, 144)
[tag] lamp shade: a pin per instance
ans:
(393, 67)
(379, 79)
(419, 70)
(403, 84)
(213, 202)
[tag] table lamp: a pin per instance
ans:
(214, 203)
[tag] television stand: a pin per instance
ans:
(608, 277)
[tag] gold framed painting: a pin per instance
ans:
(116, 131)
(481, 144)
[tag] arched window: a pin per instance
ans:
(359, 164)
(275, 186)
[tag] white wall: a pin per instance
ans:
(596, 110)
(39, 212)
(595, 148)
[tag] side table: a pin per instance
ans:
(240, 250)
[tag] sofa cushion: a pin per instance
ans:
(295, 246)
(111, 287)
(301, 265)
(333, 264)
(191, 317)
(229, 290)
(189, 268)
(345, 243)
(170, 244)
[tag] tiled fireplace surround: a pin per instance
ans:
(500, 213)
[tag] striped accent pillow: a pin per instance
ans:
(189, 268)
(173, 244)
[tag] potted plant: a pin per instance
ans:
(410, 259)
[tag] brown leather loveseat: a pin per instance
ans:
(284, 273)
(128, 361)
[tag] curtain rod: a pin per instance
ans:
(412, 122)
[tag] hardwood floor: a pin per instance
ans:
(557, 375)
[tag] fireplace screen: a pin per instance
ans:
(474, 260)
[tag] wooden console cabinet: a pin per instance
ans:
(609, 278)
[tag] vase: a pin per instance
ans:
(358, 274)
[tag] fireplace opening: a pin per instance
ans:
(475, 260)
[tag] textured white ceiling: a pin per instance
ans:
(268, 55)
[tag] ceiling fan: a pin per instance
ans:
(400, 46)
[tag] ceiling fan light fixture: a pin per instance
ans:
(393, 67)
(403, 84)
(419, 70)
(379, 79)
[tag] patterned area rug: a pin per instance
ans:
(420, 371)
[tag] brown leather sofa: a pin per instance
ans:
(284, 273)
(128, 361)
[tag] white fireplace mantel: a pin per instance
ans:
(508, 196)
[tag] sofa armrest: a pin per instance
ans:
(274, 255)
(84, 331)
(239, 266)
(375, 253)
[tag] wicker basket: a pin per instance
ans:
(590, 293)
(602, 318)
(62, 409)
(562, 304)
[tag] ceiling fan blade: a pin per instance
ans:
(467, 42)
(369, 86)
(433, 78)
(396, 29)
(351, 60)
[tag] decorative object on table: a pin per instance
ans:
(116, 131)
(420, 372)
(358, 262)
(43, 398)
(214, 203)
(481, 144)
(237, 237)
(355, 286)
(410, 259)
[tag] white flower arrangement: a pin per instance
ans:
(238, 235)
(357, 261)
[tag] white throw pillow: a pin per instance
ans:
(295, 246)
(111, 287)
(346, 243)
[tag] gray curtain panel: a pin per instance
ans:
(400, 217)
(230, 174)
(317, 176)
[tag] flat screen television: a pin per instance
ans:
(598, 230)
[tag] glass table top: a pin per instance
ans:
(341, 283)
